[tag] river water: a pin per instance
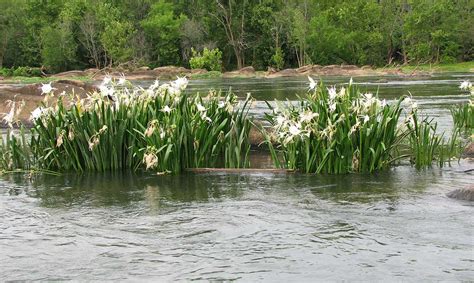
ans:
(393, 225)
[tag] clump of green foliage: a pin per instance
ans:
(210, 60)
(278, 59)
(341, 131)
(20, 72)
(160, 128)
(463, 115)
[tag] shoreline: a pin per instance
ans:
(171, 72)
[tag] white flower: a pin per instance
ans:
(46, 88)
(312, 83)
(155, 84)
(465, 85)
(332, 107)
(8, 118)
(366, 118)
(181, 83)
(200, 107)
(122, 81)
(280, 120)
(308, 116)
(383, 103)
(37, 113)
(294, 130)
(332, 92)
(350, 81)
(221, 104)
(106, 80)
(166, 109)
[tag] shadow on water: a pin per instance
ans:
(130, 189)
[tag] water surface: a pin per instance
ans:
(396, 225)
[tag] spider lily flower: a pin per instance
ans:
(122, 80)
(466, 85)
(307, 116)
(9, 117)
(166, 109)
(180, 83)
(46, 88)
(332, 93)
(312, 83)
(107, 79)
(366, 119)
(200, 108)
(37, 113)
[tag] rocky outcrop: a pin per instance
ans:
(70, 74)
(244, 72)
(463, 193)
(284, 73)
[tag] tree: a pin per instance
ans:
(58, 49)
(231, 16)
(162, 28)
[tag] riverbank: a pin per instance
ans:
(170, 72)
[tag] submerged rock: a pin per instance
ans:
(469, 151)
(463, 194)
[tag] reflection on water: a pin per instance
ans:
(395, 225)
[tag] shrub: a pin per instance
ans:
(278, 59)
(210, 60)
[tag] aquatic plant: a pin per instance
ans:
(463, 115)
(344, 130)
(335, 131)
(160, 128)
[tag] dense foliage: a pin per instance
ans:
(344, 130)
(66, 34)
(160, 128)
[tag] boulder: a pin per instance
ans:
(330, 67)
(69, 74)
(198, 71)
(1, 78)
(305, 69)
(366, 67)
(463, 193)
(144, 68)
(349, 67)
(249, 70)
(271, 70)
(469, 151)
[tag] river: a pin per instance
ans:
(393, 225)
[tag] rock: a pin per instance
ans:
(349, 67)
(271, 70)
(88, 87)
(287, 73)
(462, 194)
(144, 68)
(244, 72)
(91, 71)
(198, 71)
(305, 69)
(249, 70)
(1, 78)
(330, 67)
(69, 74)
(469, 151)
(366, 67)
(255, 136)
